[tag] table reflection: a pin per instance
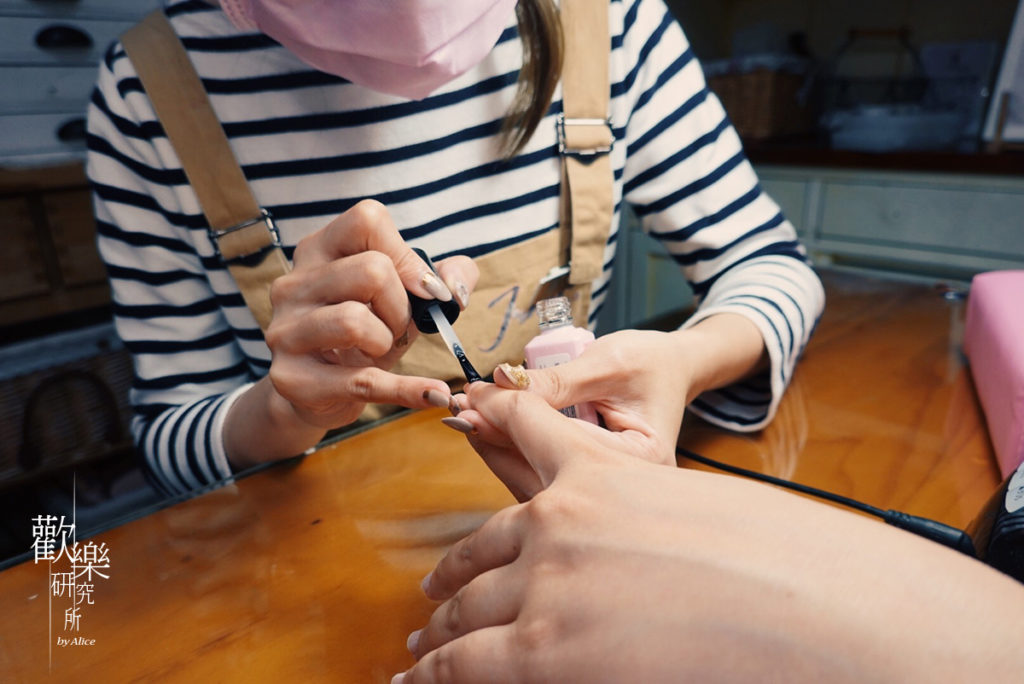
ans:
(309, 570)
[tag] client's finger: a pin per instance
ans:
(583, 379)
(482, 657)
(491, 599)
(483, 431)
(496, 543)
(498, 452)
(544, 436)
(509, 466)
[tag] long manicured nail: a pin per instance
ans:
(413, 641)
(453, 406)
(459, 425)
(462, 293)
(398, 678)
(435, 286)
(437, 398)
(515, 375)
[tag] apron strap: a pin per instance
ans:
(243, 233)
(585, 137)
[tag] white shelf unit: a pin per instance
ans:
(49, 52)
(921, 226)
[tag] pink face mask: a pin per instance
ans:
(402, 47)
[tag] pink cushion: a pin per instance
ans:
(994, 344)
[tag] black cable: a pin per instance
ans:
(821, 494)
(938, 532)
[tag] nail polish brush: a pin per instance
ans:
(434, 316)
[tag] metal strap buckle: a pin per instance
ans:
(265, 218)
(563, 147)
(555, 273)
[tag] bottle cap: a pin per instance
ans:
(554, 311)
(421, 307)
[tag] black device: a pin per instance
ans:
(999, 529)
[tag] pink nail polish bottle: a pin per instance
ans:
(559, 342)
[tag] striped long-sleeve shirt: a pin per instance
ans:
(312, 145)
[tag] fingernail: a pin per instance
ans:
(453, 406)
(398, 678)
(402, 340)
(437, 289)
(462, 293)
(413, 641)
(459, 425)
(515, 375)
(425, 584)
(437, 398)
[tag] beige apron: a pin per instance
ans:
(499, 323)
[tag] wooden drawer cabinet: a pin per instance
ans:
(50, 265)
(73, 230)
(22, 265)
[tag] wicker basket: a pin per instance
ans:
(67, 414)
(763, 103)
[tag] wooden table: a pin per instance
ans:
(310, 571)
(881, 408)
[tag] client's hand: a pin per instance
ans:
(623, 571)
(634, 379)
(639, 381)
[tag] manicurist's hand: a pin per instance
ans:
(639, 381)
(624, 571)
(341, 320)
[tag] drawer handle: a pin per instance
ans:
(72, 130)
(63, 37)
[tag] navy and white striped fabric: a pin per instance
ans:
(312, 145)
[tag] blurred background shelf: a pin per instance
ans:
(809, 155)
(943, 226)
(875, 75)
(64, 377)
(49, 51)
(929, 214)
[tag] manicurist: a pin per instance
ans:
(260, 249)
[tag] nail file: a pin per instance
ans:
(452, 340)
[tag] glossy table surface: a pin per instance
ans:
(881, 408)
(310, 570)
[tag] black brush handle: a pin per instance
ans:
(421, 307)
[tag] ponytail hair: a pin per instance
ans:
(540, 30)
